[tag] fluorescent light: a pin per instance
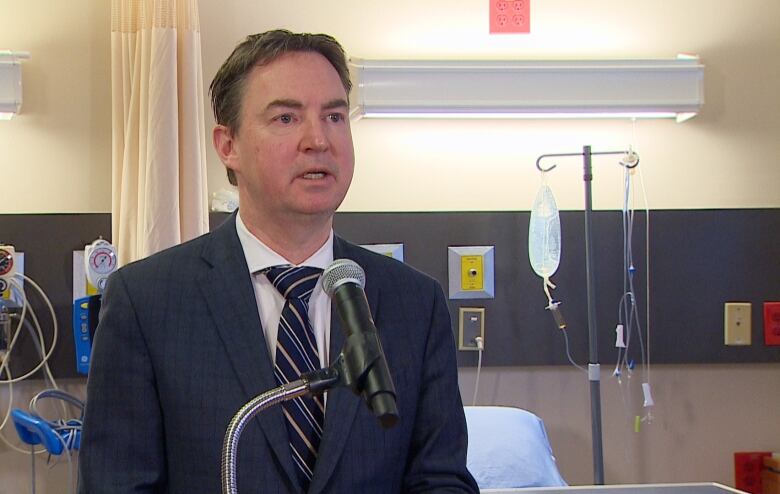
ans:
(11, 83)
(499, 116)
(668, 88)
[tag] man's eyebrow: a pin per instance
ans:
(335, 103)
(295, 104)
(284, 103)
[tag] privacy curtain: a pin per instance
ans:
(159, 195)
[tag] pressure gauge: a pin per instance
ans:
(101, 261)
(6, 260)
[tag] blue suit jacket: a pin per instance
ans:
(180, 348)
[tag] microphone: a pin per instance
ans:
(364, 366)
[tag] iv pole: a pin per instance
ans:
(594, 370)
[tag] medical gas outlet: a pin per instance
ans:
(7, 269)
(471, 272)
(101, 260)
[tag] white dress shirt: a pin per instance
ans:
(270, 302)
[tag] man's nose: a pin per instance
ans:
(315, 137)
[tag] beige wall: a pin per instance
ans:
(57, 152)
(717, 160)
(55, 157)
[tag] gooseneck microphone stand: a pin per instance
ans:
(311, 383)
(355, 367)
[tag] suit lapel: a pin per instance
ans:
(342, 404)
(229, 294)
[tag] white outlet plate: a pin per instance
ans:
(737, 323)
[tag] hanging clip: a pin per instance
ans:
(619, 341)
(648, 395)
(630, 159)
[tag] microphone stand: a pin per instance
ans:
(309, 383)
(352, 368)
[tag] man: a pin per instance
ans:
(189, 335)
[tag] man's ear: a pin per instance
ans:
(224, 145)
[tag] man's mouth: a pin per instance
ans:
(314, 175)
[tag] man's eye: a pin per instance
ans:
(286, 118)
(335, 117)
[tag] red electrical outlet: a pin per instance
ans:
(772, 323)
(510, 16)
(747, 470)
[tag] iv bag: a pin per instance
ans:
(544, 234)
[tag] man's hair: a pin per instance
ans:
(227, 88)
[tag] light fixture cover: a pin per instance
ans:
(11, 82)
(523, 89)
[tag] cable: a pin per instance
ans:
(480, 348)
(647, 270)
(568, 354)
(55, 331)
(32, 459)
(60, 425)
(39, 342)
(628, 311)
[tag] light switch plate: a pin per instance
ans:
(737, 323)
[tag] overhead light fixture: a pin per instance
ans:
(11, 82)
(663, 88)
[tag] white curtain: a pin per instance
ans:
(159, 193)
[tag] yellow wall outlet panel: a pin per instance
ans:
(471, 272)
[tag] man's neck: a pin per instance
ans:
(295, 240)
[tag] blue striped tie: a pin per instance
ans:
(296, 353)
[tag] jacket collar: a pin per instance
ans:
(227, 289)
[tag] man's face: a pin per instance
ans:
(293, 153)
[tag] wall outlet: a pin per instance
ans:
(772, 323)
(510, 16)
(737, 323)
(471, 325)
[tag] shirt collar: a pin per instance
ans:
(259, 256)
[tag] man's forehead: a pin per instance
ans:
(289, 77)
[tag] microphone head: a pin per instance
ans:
(342, 271)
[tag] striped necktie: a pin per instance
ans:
(296, 353)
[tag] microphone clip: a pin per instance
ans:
(357, 368)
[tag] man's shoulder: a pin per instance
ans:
(188, 258)
(381, 266)
(178, 254)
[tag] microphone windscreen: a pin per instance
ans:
(342, 271)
